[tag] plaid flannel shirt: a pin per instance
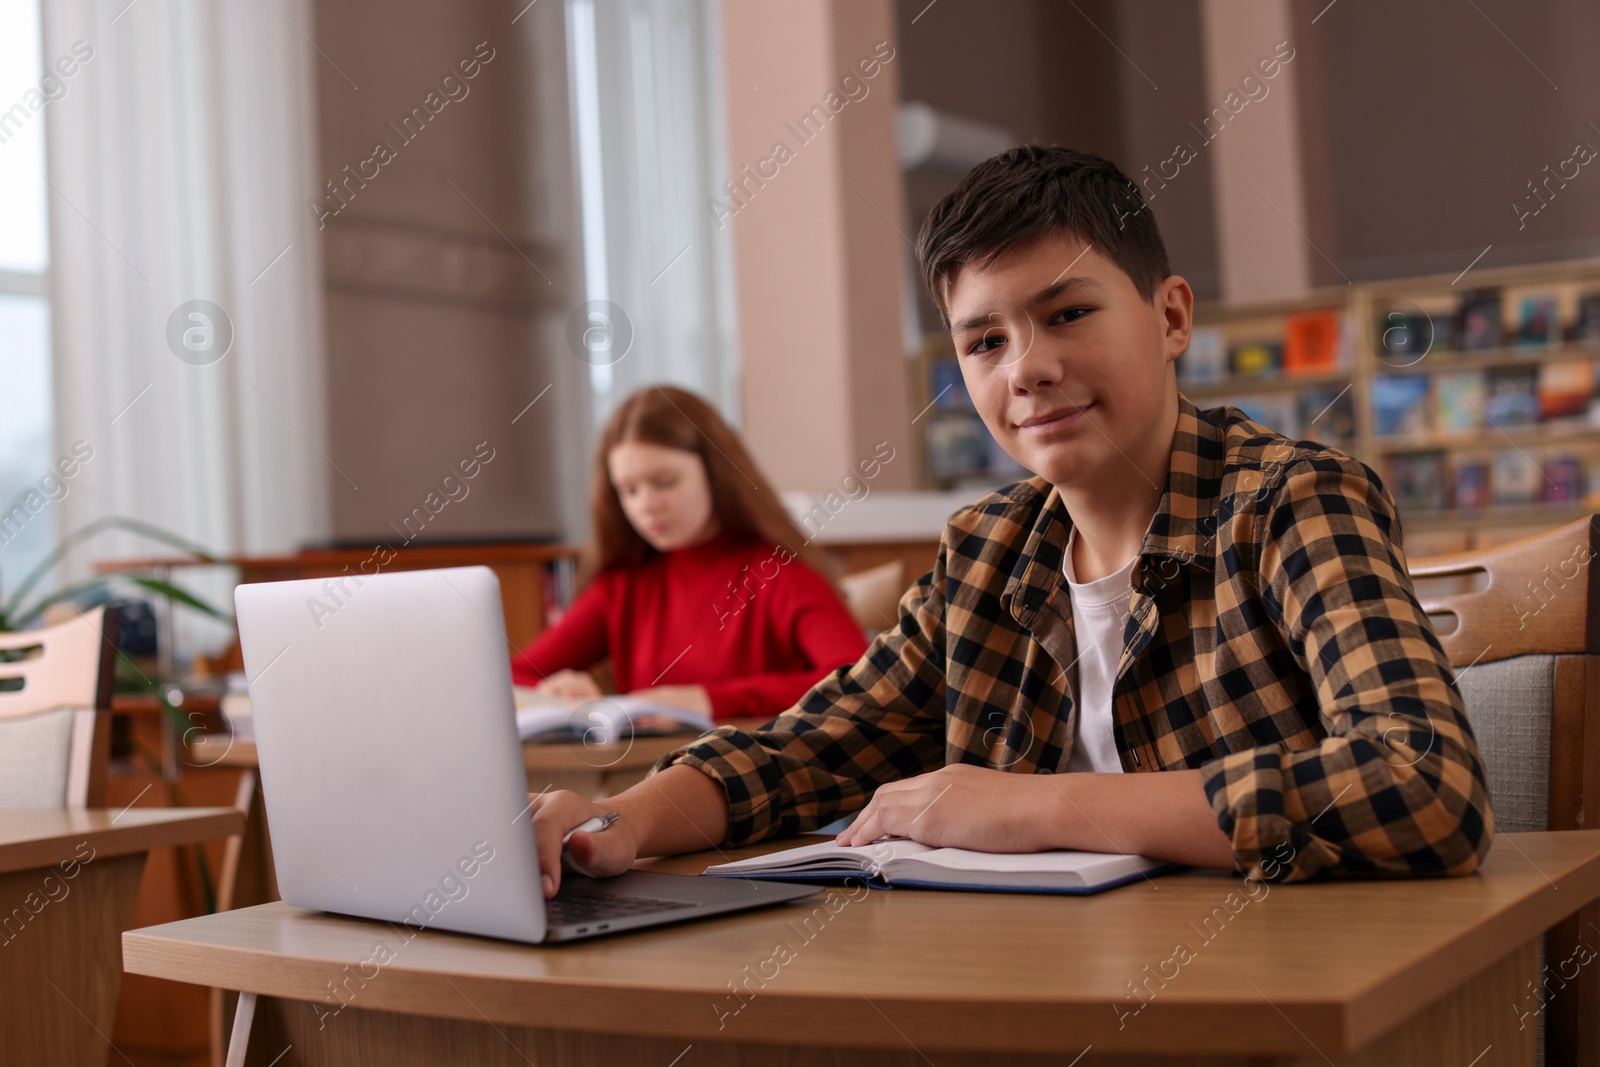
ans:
(1274, 642)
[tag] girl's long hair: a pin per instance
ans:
(741, 497)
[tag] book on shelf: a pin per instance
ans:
(1566, 386)
(1417, 482)
(1472, 485)
(1563, 480)
(1256, 359)
(1458, 399)
(560, 586)
(1515, 480)
(894, 863)
(1586, 326)
(1405, 337)
(1538, 321)
(1313, 343)
(1442, 326)
(948, 387)
(1399, 404)
(1513, 397)
(1206, 359)
(1479, 320)
(600, 720)
(1328, 414)
(958, 444)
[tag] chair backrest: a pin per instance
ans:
(1522, 630)
(873, 595)
(55, 713)
(1519, 624)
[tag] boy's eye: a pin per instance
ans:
(987, 343)
(1074, 313)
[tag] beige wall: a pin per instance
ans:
(819, 248)
(435, 321)
(1430, 120)
(1250, 137)
(1061, 82)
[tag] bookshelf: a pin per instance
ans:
(1474, 397)
(1397, 338)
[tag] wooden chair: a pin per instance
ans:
(1521, 625)
(55, 713)
(873, 595)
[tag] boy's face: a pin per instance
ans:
(1069, 367)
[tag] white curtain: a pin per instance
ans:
(646, 88)
(180, 160)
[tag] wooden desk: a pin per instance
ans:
(248, 877)
(1418, 972)
(68, 881)
(597, 771)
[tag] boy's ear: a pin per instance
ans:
(1176, 302)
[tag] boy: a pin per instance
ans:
(1178, 590)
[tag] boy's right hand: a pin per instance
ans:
(599, 855)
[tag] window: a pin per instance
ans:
(25, 399)
(647, 105)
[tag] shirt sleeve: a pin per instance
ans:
(1397, 787)
(576, 642)
(860, 727)
(810, 616)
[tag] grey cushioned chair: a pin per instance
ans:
(1521, 625)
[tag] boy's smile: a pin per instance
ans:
(1069, 367)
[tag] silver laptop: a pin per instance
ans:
(393, 776)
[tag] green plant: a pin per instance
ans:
(17, 612)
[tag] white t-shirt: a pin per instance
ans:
(1099, 616)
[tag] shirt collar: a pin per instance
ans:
(1185, 523)
(1184, 527)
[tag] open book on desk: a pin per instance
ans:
(600, 720)
(900, 862)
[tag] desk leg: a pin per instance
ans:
(247, 879)
(61, 959)
(1572, 989)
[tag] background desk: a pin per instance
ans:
(1417, 972)
(597, 771)
(68, 881)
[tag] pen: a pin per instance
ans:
(592, 826)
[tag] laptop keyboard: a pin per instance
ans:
(566, 909)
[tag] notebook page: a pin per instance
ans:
(826, 856)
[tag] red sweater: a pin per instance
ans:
(752, 624)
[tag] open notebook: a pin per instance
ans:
(891, 863)
(600, 721)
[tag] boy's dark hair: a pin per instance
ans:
(1034, 191)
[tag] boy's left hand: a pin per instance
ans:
(961, 806)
